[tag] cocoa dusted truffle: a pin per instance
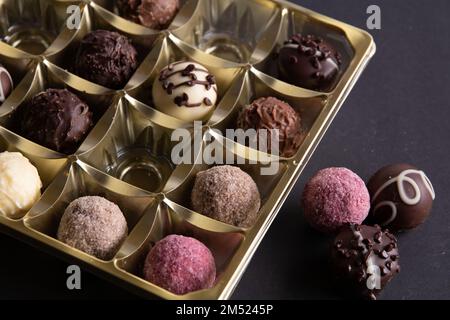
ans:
(6, 84)
(93, 225)
(154, 14)
(56, 119)
(271, 113)
(366, 258)
(401, 195)
(227, 194)
(180, 264)
(106, 58)
(185, 90)
(309, 62)
(334, 197)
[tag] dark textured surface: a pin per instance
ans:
(397, 112)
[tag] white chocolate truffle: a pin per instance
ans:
(20, 185)
(185, 90)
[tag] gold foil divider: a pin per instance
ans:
(222, 245)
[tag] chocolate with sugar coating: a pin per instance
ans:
(154, 14)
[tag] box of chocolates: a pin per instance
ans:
(119, 130)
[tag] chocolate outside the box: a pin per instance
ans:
(56, 119)
(365, 259)
(401, 197)
(309, 62)
(154, 14)
(106, 58)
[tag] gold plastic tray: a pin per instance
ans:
(236, 41)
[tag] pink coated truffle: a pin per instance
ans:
(333, 198)
(180, 265)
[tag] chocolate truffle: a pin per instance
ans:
(56, 119)
(227, 194)
(6, 84)
(106, 58)
(401, 197)
(333, 198)
(309, 62)
(93, 225)
(185, 90)
(154, 14)
(271, 113)
(366, 258)
(20, 185)
(180, 265)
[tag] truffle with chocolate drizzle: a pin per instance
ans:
(366, 258)
(401, 197)
(185, 90)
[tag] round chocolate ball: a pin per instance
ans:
(93, 225)
(366, 258)
(185, 90)
(56, 119)
(401, 196)
(154, 14)
(309, 62)
(273, 114)
(20, 185)
(106, 58)
(335, 197)
(227, 194)
(6, 84)
(180, 265)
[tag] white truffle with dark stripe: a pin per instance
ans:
(185, 90)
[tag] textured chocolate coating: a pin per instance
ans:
(6, 84)
(154, 14)
(227, 194)
(271, 113)
(366, 258)
(401, 197)
(308, 62)
(106, 58)
(56, 119)
(93, 225)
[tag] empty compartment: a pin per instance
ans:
(235, 31)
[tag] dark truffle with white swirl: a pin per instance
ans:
(6, 84)
(309, 62)
(269, 114)
(401, 197)
(185, 90)
(365, 258)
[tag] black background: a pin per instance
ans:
(397, 112)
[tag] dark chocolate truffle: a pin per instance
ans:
(56, 119)
(271, 113)
(6, 84)
(227, 194)
(93, 225)
(106, 58)
(366, 258)
(401, 197)
(309, 62)
(154, 14)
